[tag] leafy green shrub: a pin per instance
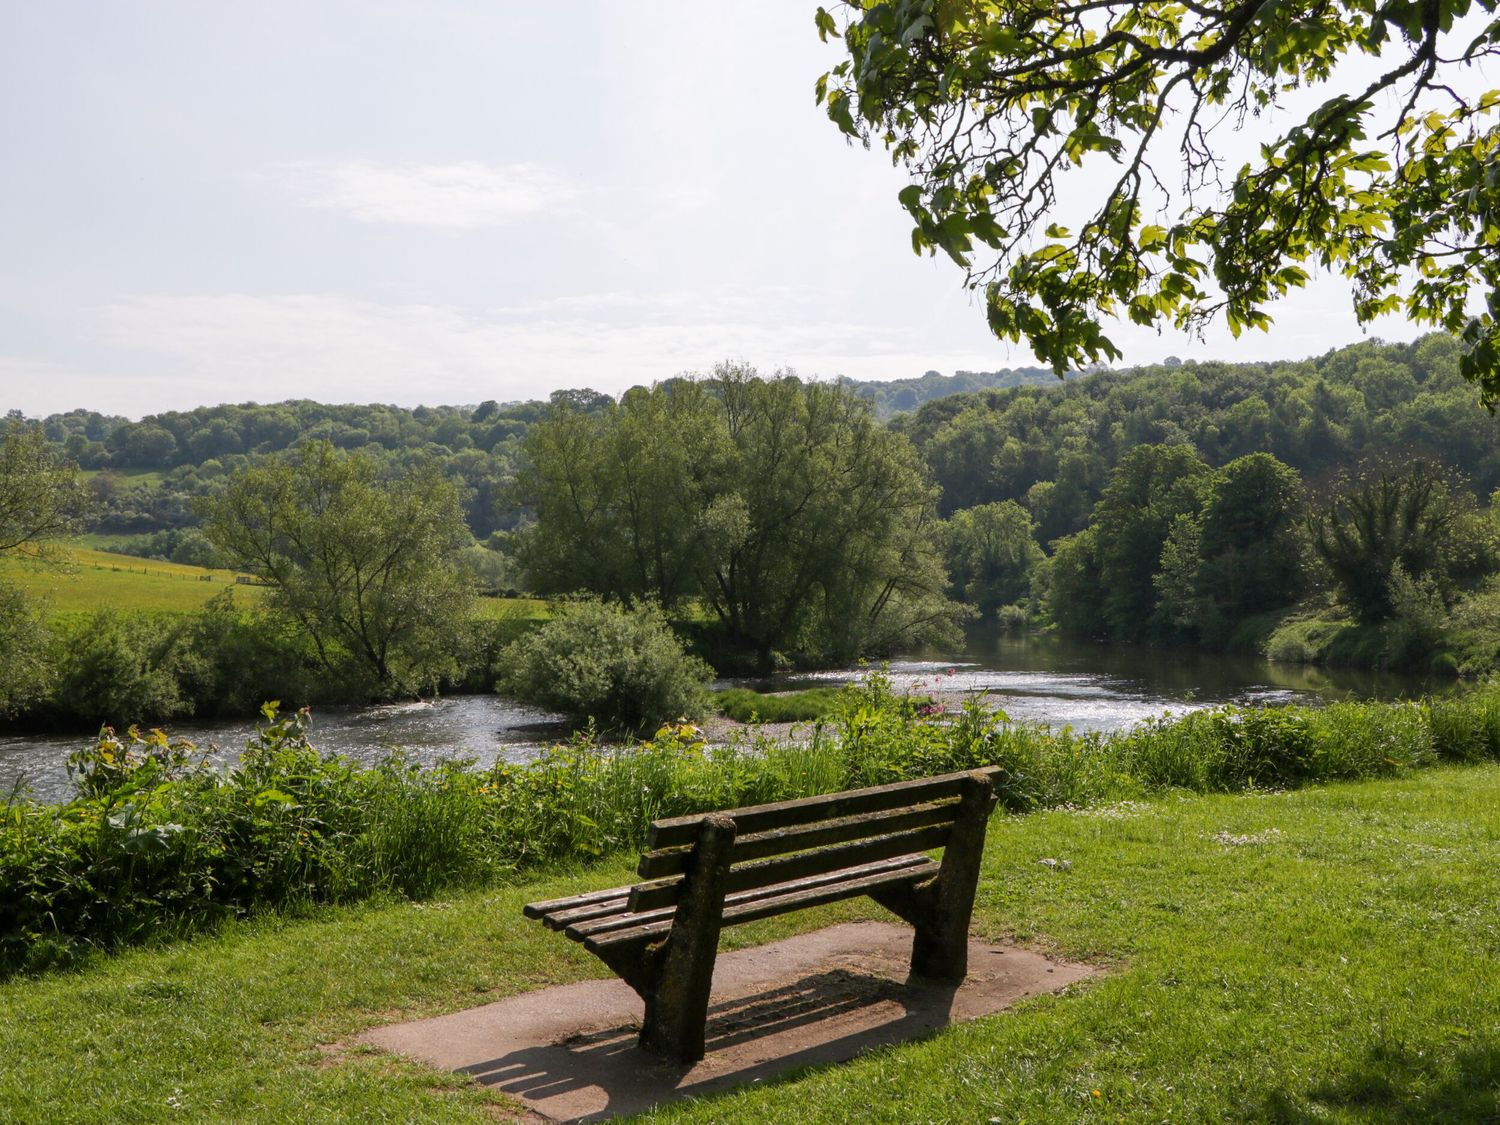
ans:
(1475, 631)
(623, 668)
(746, 706)
(1012, 618)
(1418, 616)
(246, 657)
(156, 842)
(122, 668)
(1305, 640)
(25, 664)
(1466, 727)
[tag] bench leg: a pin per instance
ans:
(677, 1006)
(940, 949)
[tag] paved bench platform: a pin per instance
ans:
(568, 1053)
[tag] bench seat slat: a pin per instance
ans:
(781, 841)
(551, 905)
(562, 919)
(793, 896)
(677, 831)
(621, 920)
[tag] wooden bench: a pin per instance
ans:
(712, 870)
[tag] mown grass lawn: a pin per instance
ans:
(1326, 954)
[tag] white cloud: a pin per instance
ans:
(458, 196)
(40, 387)
(338, 349)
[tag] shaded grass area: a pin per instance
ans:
(746, 706)
(1325, 954)
(1327, 639)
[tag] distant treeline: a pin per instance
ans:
(1114, 505)
(190, 454)
(1336, 509)
(895, 396)
(1046, 444)
(1053, 448)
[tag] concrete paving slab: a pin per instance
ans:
(569, 1053)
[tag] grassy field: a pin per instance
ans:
(148, 477)
(91, 579)
(493, 609)
(1328, 954)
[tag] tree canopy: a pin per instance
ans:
(1381, 517)
(365, 567)
(782, 507)
(40, 497)
(990, 554)
(1000, 109)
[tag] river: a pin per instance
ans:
(1089, 687)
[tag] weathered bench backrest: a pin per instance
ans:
(772, 842)
(721, 869)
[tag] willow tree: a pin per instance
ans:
(40, 496)
(998, 108)
(781, 507)
(40, 500)
(364, 567)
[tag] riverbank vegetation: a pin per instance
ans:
(362, 569)
(802, 529)
(73, 671)
(622, 670)
(156, 845)
(1336, 510)
(1219, 500)
(745, 705)
(1322, 953)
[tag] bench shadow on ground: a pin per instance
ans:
(1387, 1084)
(799, 1024)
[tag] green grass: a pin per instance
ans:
(744, 705)
(89, 580)
(498, 609)
(1338, 964)
(149, 477)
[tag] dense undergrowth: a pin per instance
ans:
(222, 661)
(156, 844)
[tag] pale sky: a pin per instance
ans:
(444, 202)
